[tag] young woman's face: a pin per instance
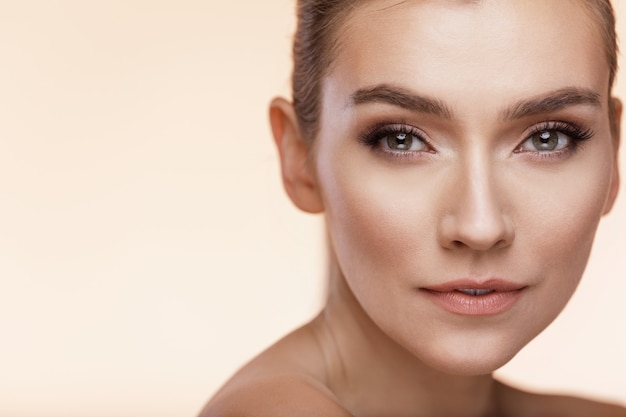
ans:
(465, 147)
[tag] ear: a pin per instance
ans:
(298, 174)
(615, 117)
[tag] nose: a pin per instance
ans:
(475, 217)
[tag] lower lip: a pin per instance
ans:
(457, 302)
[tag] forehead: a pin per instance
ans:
(498, 13)
(498, 46)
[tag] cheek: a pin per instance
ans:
(378, 221)
(557, 224)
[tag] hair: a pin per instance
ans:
(315, 48)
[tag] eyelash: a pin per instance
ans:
(372, 138)
(578, 134)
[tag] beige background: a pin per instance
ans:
(146, 247)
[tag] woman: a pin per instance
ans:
(463, 153)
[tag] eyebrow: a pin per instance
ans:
(400, 97)
(551, 102)
(406, 99)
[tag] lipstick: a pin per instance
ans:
(475, 298)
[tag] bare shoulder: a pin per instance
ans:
(288, 379)
(522, 403)
(288, 395)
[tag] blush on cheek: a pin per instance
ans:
(377, 225)
(359, 229)
(571, 215)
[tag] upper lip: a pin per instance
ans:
(494, 284)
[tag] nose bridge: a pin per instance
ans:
(476, 217)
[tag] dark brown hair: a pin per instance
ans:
(315, 45)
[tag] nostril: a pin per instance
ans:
(486, 244)
(476, 230)
(500, 244)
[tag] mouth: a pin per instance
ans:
(475, 292)
(472, 298)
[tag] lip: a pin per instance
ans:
(503, 296)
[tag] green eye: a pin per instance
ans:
(404, 142)
(548, 140)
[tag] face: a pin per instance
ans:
(464, 160)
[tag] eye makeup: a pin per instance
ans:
(558, 139)
(397, 140)
(552, 139)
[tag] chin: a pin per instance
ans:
(478, 354)
(465, 365)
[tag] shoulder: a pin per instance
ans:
(288, 395)
(522, 403)
(287, 379)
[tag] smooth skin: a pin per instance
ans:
(472, 197)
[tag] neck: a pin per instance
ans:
(372, 375)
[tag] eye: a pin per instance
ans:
(398, 140)
(546, 141)
(555, 138)
(403, 142)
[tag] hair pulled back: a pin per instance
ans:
(313, 52)
(316, 39)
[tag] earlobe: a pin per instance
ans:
(615, 109)
(297, 173)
